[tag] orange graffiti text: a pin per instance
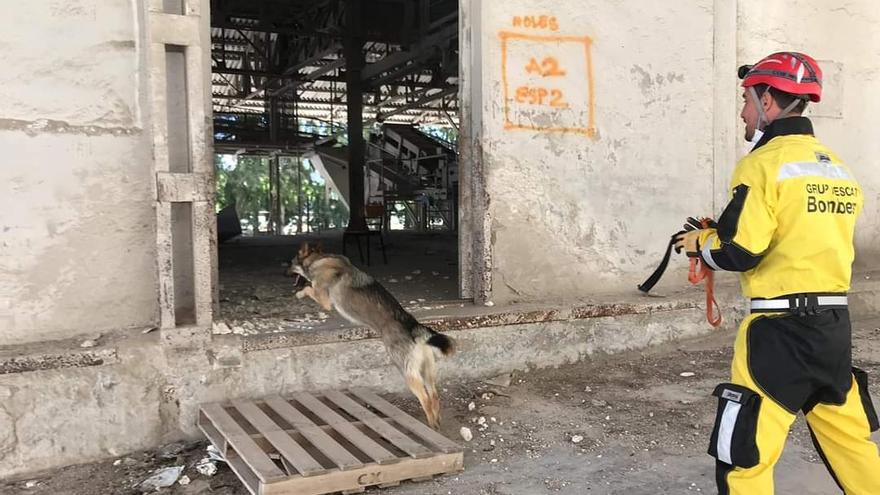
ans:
(536, 22)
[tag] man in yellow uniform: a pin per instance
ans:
(789, 229)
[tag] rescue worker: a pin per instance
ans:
(788, 228)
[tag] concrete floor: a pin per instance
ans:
(644, 426)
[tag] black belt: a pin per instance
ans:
(801, 304)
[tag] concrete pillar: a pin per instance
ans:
(187, 185)
(354, 64)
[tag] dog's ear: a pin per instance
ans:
(318, 247)
(304, 250)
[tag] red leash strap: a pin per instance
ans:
(698, 271)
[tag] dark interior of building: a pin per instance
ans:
(335, 120)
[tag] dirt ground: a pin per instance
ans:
(645, 430)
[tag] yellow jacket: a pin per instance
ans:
(790, 221)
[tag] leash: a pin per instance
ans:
(697, 272)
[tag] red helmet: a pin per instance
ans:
(791, 72)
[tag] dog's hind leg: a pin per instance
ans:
(429, 374)
(416, 384)
(417, 387)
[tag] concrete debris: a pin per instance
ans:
(577, 439)
(221, 328)
(150, 329)
(466, 434)
(207, 467)
(502, 380)
(392, 280)
(184, 480)
(117, 462)
(89, 343)
(471, 406)
(416, 272)
(687, 374)
(162, 478)
(489, 304)
(407, 277)
(214, 454)
(30, 484)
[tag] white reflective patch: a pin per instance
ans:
(812, 169)
(800, 73)
(725, 431)
(706, 253)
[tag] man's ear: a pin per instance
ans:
(767, 101)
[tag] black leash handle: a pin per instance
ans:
(649, 284)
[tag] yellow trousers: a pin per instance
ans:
(794, 363)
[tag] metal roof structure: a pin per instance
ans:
(279, 63)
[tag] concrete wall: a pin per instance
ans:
(137, 392)
(588, 208)
(77, 227)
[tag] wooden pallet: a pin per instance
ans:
(328, 442)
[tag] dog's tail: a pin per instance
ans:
(444, 343)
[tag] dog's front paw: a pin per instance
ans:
(301, 294)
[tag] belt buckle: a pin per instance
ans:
(797, 304)
(812, 304)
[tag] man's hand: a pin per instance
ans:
(689, 240)
(693, 223)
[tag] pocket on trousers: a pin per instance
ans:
(736, 423)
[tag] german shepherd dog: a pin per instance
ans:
(360, 299)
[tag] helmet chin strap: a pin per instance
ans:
(763, 121)
(762, 116)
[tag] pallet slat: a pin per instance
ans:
(366, 444)
(292, 451)
(314, 434)
(378, 425)
(250, 452)
(407, 421)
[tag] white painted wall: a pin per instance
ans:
(572, 215)
(77, 228)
